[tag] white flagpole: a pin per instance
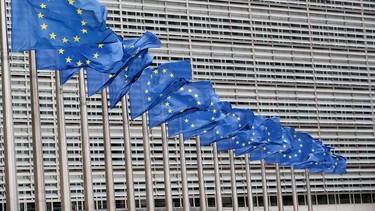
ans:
(294, 189)
(278, 186)
(40, 196)
(86, 157)
(128, 155)
(202, 191)
(264, 185)
(233, 181)
(185, 193)
(219, 200)
(248, 183)
(167, 174)
(63, 153)
(11, 186)
(309, 201)
(148, 174)
(110, 190)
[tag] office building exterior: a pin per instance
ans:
(311, 63)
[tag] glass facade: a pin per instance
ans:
(311, 63)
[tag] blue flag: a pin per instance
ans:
(198, 119)
(235, 120)
(66, 75)
(301, 146)
(42, 24)
(316, 155)
(156, 84)
(338, 166)
(122, 82)
(133, 48)
(193, 96)
(324, 164)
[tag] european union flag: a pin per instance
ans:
(193, 96)
(198, 119)
(66, 75)
(235, 120)
(301, 146)
(338, 166)
(316, 155)
(156, 84)
(323, 165)
(133, 49)
(42, 24)
(102, 57)
(122, 82)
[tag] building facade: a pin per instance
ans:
(311, 63)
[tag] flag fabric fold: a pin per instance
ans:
(156, 84)
(193, 96)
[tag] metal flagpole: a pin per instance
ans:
(202, 192)
(219, 200)
(248, 183)
(185, 193)
(128, 155)
(40, 196)
(278, 186)
(233, 181)
(148, 174)
(86, 158)
(167, 175)
(264, 185)
(10, 159)
(110, 190)
(309, 201)
(294, 189)
(63, 153)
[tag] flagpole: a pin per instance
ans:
(148, 174)
(219, 200)
(264, 185)
(63, 153)
(309, 201)
(128, 155)
(294, 189)
(185, 193)
(233, 181)
(278, 186)
(11, 186)
(202, 191)
(40, 196)
(110, 190)
(85, 143)
(248, 183)
(167, 174)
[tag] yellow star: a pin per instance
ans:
(290, 157)
(65, 40)
(284, 155)
(40, 15)
(212, 103)
(68, 60)
(44, 26)
(300, 145)
(61, 51)
(171, 75)
(100, 45)
(79, 11)
(243, 144)
(313, 150)
(43, 6)
(264, 148)
(71, 2)
(76, 39)
(83, 22)
(132, 46)
(189, 90)
(156, 71)
(79, 63)
(238, 119)
(204, 131)
(148, 82)
(192, 125)
(88, 62)
(199, 103)
(186, 120)
(217, 132)
(111, 75)
(299, 151)
(84, 31)
(96, 55)
(254, 147)
(167, 104)
(146, 91)
(182, 89)
(149, 99)
(170, 111)
(196, 95)
(214, 111)
(164, 70)
(52, 36)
